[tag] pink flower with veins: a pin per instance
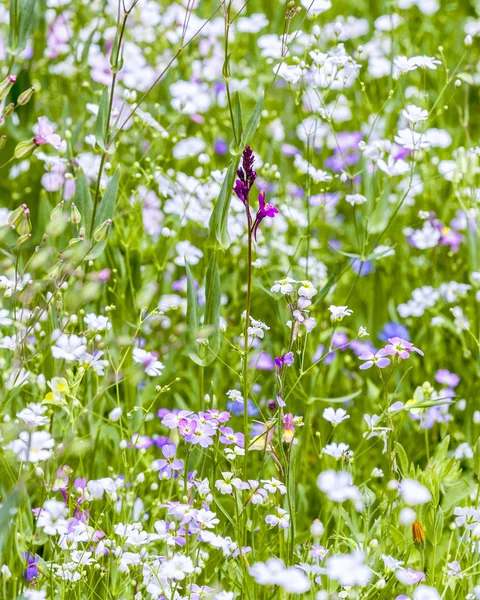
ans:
(401, 347)
(45, 135)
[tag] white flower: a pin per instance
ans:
(412, 140)
(316, 7)
(425, 592)
(393, 167)
(284, 286)
(336, 450)
(33, 447)
(52, 517)
(335, 416)
(189, 147)
(115, 414)
(274, 572)
(355, 199)
(414, 114)
(282, 519)
(69, 347)
(339, 312)
(318, 175)
(307, 290)
(187, 252)
(235, 396)
(252, 24)
(226, 485)
(190, 97)
(32, 415)
(414, 493)
(338, 486)
(426, 62)
(152, 366)
(97, 322)
(348, 569)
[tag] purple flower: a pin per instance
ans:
(167, 465)
(230, 437)
(446, 378)
(45, 135)
(31, 572)
(391, 330)
(196, 432)
(371, 359)
(287, 360)
(264, 210)
(246, 176)
(401, 347)
(220, 147)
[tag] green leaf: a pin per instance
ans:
(21, 21)
(218, 236)
(253, 123)
(83, 198)
(192, 318)
(102, 120)
(237, 115)
(211, 318)
(12, 30)
(107, 205)
(338, 400)
(9, 505)
(25, 24)
(105, 211)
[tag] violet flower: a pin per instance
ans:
(287, 360)
(264, 210)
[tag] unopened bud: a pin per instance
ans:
(8, 110)
(101, 232)
(75, 216)
(6, 86)
(23, 239)
(25, 96)
(24, 226)
(418, 534)
(58, 210)
(3, 141)
(16, 216)
(25, 149)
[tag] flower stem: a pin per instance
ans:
(245, 338)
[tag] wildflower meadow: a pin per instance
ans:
(239, 299)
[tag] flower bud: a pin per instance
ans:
(24, 149)
(101, 232)
(8, 110)
(75, 216)
(16, 216)
(3, 141)
(418, 534)
(58, 210)
(6, 85)
(25, 96)
(24, 226)
(23, 239)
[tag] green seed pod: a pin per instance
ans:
(101, 232)
(25, 96)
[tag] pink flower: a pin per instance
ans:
(45, 135)
(401, 347)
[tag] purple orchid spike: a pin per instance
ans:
(246, 176)
(264, 210)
